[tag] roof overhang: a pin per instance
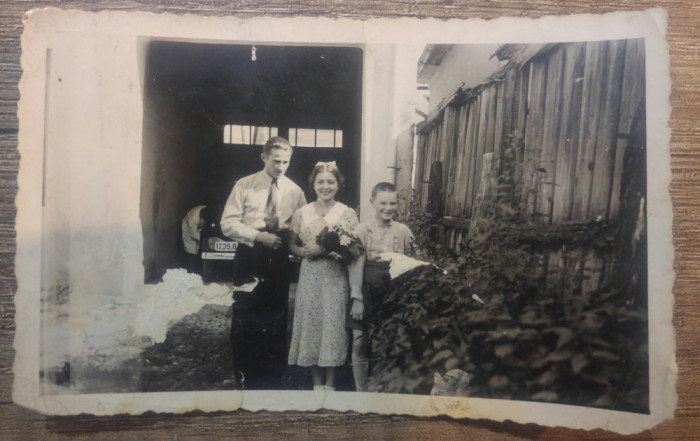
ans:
(430, 59)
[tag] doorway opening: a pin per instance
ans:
(208, 108)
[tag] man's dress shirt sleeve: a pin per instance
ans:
(232, 217)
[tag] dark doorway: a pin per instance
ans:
(194, 93)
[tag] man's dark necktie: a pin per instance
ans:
(272, 208)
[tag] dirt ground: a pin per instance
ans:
(196, 355)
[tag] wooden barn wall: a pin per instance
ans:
(553, 130)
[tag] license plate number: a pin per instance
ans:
(226, 246)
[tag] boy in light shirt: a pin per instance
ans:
(380, 235)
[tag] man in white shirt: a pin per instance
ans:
(257, 215)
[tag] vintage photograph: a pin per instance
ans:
(344, 218)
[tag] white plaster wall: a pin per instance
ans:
(91, 227)
(467, 64)
(388, 111)
(377, 122)
(95, 129)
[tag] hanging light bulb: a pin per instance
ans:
(253, 50)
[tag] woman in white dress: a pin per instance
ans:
(319, 338)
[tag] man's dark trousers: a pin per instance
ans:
(259, 319)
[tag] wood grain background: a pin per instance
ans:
(683, 38)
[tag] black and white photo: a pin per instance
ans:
(470, 219)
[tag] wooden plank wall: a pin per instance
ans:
(572, 107)
(556, 127)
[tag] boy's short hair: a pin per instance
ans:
(277, 142)
(383, 186)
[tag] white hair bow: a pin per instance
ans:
(331, 165)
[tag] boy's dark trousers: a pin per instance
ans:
(376, 283)
(259, 318)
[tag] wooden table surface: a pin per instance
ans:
(684, 41)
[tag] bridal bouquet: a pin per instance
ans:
(340, 244)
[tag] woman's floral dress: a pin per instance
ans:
(319, 337)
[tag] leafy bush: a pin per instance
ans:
(488, 312)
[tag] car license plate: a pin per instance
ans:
(226, 246)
